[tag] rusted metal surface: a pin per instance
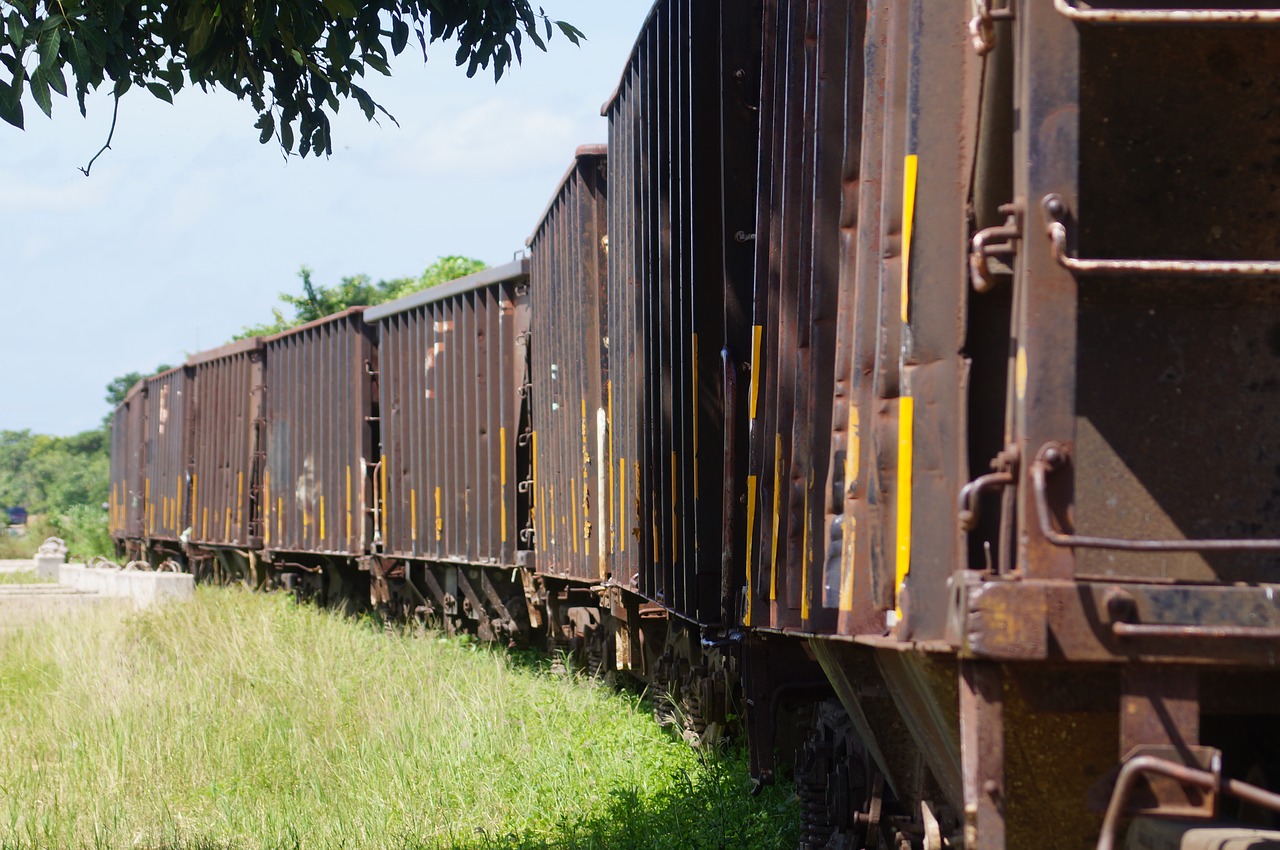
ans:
(166, 425)
(671, 257)
(1072, 621)
(320, 417)
(125, 502)
(227, 451)
(1208, 779)
(452, 406)
(982, 740)
(810, 108)
(570, 360)
(1091, 13)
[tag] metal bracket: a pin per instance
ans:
(982, 25)
(969, 502)
(1053, 456)
(985, 245)
(1210, 781)
(1086, 14)
(1123, 610)
(1055, 211)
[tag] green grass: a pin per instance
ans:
(25, 577)
(245, 721)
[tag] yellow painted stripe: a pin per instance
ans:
(853, 447)
(322, 517)
(195, 481)
(413, 515)
(383, 503)
(549, 515)
(573, 512)
(349, 518)
(280, 517)
(849, 537)
(266, 508)
(909, 172)
(622, 502)
(150, 515)
(502, 455)
(227, 525)
(151, 519)
(777, 499)
(177, 508)
(613, 502)
(439, 517)
(204, 524)
(240, 499)
(757, 337)
(1020, 373)
(695, 417)
(804, 561)
(906, 411)
(751, 532)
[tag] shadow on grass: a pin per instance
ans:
(716, 813)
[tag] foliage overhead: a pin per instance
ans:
(294, 61)
(119, 387)
(318, 300)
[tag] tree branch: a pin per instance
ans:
(115, 111)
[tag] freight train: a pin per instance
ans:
(901, 382)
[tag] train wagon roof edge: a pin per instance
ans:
(594, 149)
(439, 292)
(247, 344)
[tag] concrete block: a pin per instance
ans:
(47, 566)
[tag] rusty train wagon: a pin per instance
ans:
(125, 502)
(320, 418)
(997, 472)
(903, 381)
(453, 476)
(166, 423)
(227, 460)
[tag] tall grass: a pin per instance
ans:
(245, 721)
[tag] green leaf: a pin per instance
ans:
(161, 91)
(49, 41)
(79, 57)
(16, 30)
(267, 124)
(399, 36)
(40, 92)
(286, 136)
(341, 8)
(367, 105)
(57, 81)
(571, 32)
(10, 106)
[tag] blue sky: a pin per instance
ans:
(188, 228)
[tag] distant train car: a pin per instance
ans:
(228, 395)
(320, 417)
(453, 500)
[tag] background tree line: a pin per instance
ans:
(64, 481)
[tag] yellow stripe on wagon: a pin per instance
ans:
(909, 176)
(906, 437)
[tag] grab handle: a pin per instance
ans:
(1092, 15)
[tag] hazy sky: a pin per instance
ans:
(188, 228)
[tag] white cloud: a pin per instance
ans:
(493, 139)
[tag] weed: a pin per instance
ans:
(243, 721)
